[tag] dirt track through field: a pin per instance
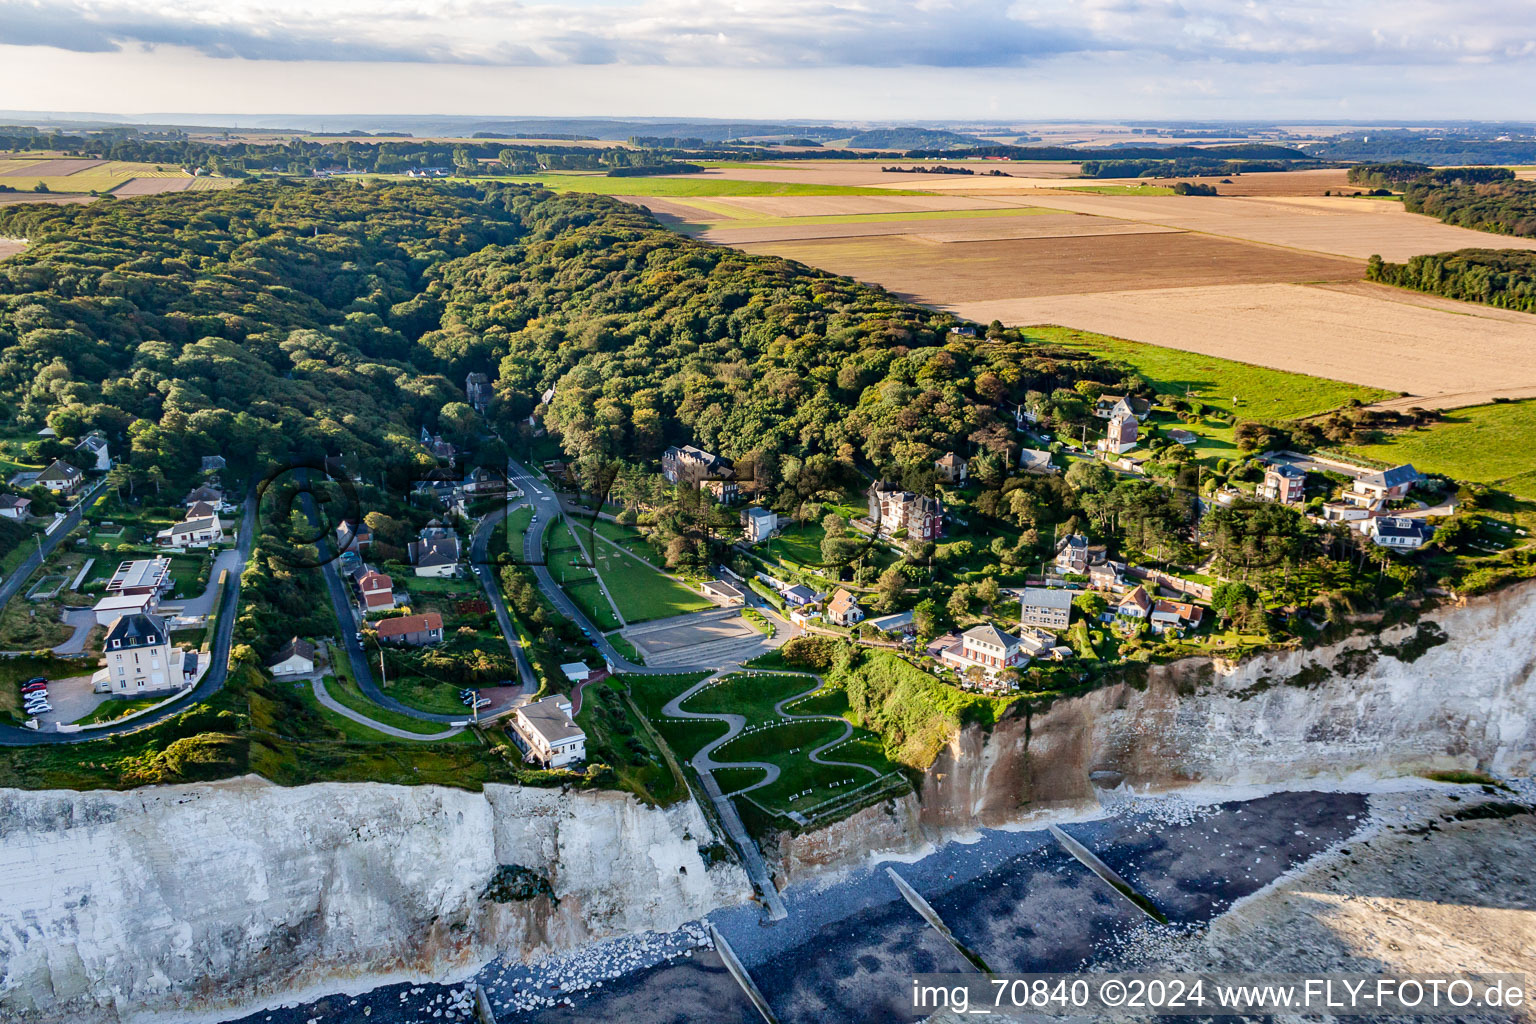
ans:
(1460, 355)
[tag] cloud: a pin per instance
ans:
(789, 33)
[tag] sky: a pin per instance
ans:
(810, 59)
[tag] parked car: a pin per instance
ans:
(35, 688)
(483, 702)
(359, 637)
(35, 680)
(39, 709)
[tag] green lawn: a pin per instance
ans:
(1489, 444)
(641, 592)
(577, 579)
(506, 543)
(111, 710)
(356, 732)
(1262, 394)
(345, 692)
(428, 695)
(627, 538)
(799, 543)
(618, 739)
(748, 694)
(802, 784)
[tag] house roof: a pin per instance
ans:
(758, 512)
(59, 472)
(1137, 597)
(302, 648)
(1047, 597)
(438, 552)
(1184, 610)
(123, 603)
(723, 588)
(802, 592)
(374, 580)
(14, 501)
(990, 634)
(1287, 470)
(575, 671)
(144, 572)
(135, 630)
(550, 719)
(1180, 436)
(886, 623)
(841, 602)
(201, 510)
(951, 460)
(1394, 477)
(92, 443)
(403, 624)
(1399, 526)
(203, 493)
(1034, 457)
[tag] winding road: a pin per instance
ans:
(479, 557)
(212, 681)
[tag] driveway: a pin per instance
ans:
(84, 620)
(202, 604)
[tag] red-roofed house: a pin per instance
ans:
(376, 590)
(411, 629)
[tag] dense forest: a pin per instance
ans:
(1185, 167)
(1493, 145)
(1499, 277)
(1505, 207)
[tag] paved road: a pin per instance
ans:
(324, 697)
(202, 604)
(212, 681)
(10, 587)
(479, 556)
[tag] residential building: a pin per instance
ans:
(1120, 437)
(61, 478)
(413, 630)
(951, 469)
(353, 536)
(985, 647)
(213, 463)
(192, 533)
(1398, 532)
(201, 510)
(1045, 607)
(95, 445)
(15, 507)
(477, 390)
(1135, 605)
(725, 492)
(1344, 512)
(843, 610)
(963, 331)
(722, 592)
(114, 606)
(295, 658)
(1374, 490)
(140, 659)
(1107, 576)
(893, 509)
(141, 576)
(1110, 406)
(1175, 615)
(1178, 435)
(798, 596)
(1284, 483)
(692, 466)
(576, 672)
(436, 551)
(1033, 460)
(548, 734)
(901, 622)
(1075, 555)
(207, 492)
(758, 524)
(376, 590)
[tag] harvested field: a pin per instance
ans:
(50, 168)
(755, 207)
(212, 184)
(867, 173)
(152, 186)
(11, 246)
(972, 226)
(1365, 336)
(6, 198)
(1336, 225)
(1284, 183)
(955, 274)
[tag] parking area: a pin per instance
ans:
(72, 700)
(689, 634)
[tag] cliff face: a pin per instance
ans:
(121, 905)
(1453, 691)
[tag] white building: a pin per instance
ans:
(114, 606)
(296, 658)
(95, 445)
(140, 659)
(988, 648)
(1397, 532)
(843, 610)
(201, 532)
(548, 733)
(758, 524)
(1046, 608)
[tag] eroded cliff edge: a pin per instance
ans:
(1454, 690)
(192, 898)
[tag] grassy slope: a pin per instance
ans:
(1262, 394)
(641, 592)
(1490, 444)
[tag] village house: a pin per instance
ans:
(295, 658)
(1032, 460)
(439, 448)
(1107, 576)
(114, 606)
(893, 509)
(206, 492)
(198, 532)
(14, 507)
(1074, 555)
(575, 672)
(1168, 615)
(95, 446)
(140, 660)
(692, 466)
(799, 596)
(725, 492)
(963, 331)
(1109, 407)
(1343, 512)
(201, 510)
(1046, 608)
(141, 576)
(1135, 605)
(842, 609)
(985, 647)
(900, 622)
(1284, 483)
(61, 478)
(951, 469)
(1397, 532)
(413, 630)
(353, 536)
(477, 391)
(722, 593)
(1120, 437)
(1375, 490)
(547, 734)
(758, 524)
(436, 552)
(1178, 435)
(375, 590)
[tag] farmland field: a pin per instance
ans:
(1261, 393)
(690, 185)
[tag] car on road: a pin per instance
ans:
(534, 519)
(359, 637)
(478, 571)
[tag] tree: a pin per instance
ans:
(988, 592)
(927, 618)
(889, 588)
(959, 602)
